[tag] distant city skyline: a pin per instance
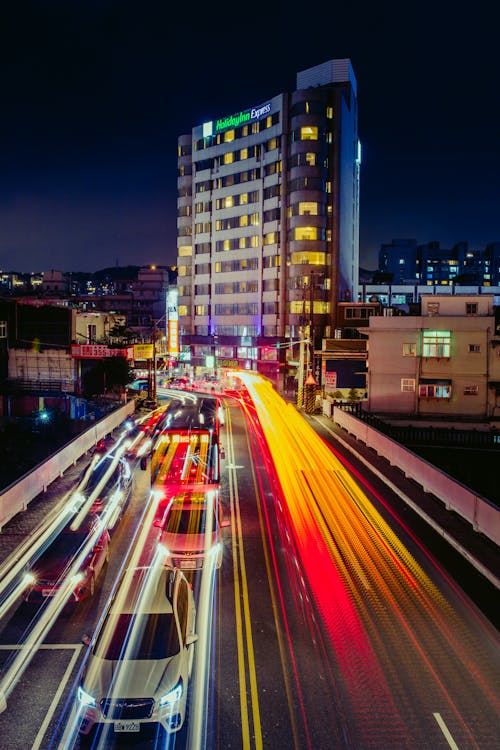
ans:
(94, 99)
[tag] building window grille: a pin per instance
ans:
(408, 385)
(436, 344)
(409, 350)
(435, 390)
(471, 390)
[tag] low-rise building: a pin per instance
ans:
(444, 362)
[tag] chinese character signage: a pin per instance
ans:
(143, 351)
(100, 351)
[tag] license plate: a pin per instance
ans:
(127, 726)
(48, 592)
(188, 563)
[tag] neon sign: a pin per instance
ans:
(234, 120)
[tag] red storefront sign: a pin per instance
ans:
(100, 351)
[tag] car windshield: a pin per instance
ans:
(155, 637)
(65, 545)
(192, 521)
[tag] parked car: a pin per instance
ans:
(48, 574)
(141, 659)
(191, 529)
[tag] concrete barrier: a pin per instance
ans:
(18, 495)
(480, 512)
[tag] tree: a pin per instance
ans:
(120, 333)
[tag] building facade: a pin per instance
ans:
(444, 362)
(268, 222)
(402, 261)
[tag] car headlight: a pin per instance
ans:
(85, 698)
(173, 696)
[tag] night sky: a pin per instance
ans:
(95, 93)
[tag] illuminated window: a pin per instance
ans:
(408, 385)
(315, 259)
(305, 233)
(243, 199)
(244, 131)
(244, 153)
(310, 159)
(244, 220)
(254, 240)
(182, 311)
(229, 135)
(229, 157)
(434, 390)
(242, 242)
(329, 112)
(308, 208)
(201, 310)
(436, 344)
(409, 350)
(226, 245)
(228, 201)
(184, 250)
(309, 133)
(3, 329)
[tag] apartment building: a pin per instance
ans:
(268, 222)
(444, 362)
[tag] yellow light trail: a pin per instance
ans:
(331, 517)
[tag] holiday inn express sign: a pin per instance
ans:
(233, 121)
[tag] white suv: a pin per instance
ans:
(138, 671)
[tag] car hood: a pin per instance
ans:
(187, 542)
(132, 678)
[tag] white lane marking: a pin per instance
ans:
(57, 697)
(449, 739)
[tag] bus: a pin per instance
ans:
(188, 449)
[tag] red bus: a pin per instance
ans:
(188, 449)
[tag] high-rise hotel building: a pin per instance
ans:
(268, 223)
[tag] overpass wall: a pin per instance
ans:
(481, 513)
(18, 495)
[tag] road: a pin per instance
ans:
(331, 625)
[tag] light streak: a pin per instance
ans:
(36, 637)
